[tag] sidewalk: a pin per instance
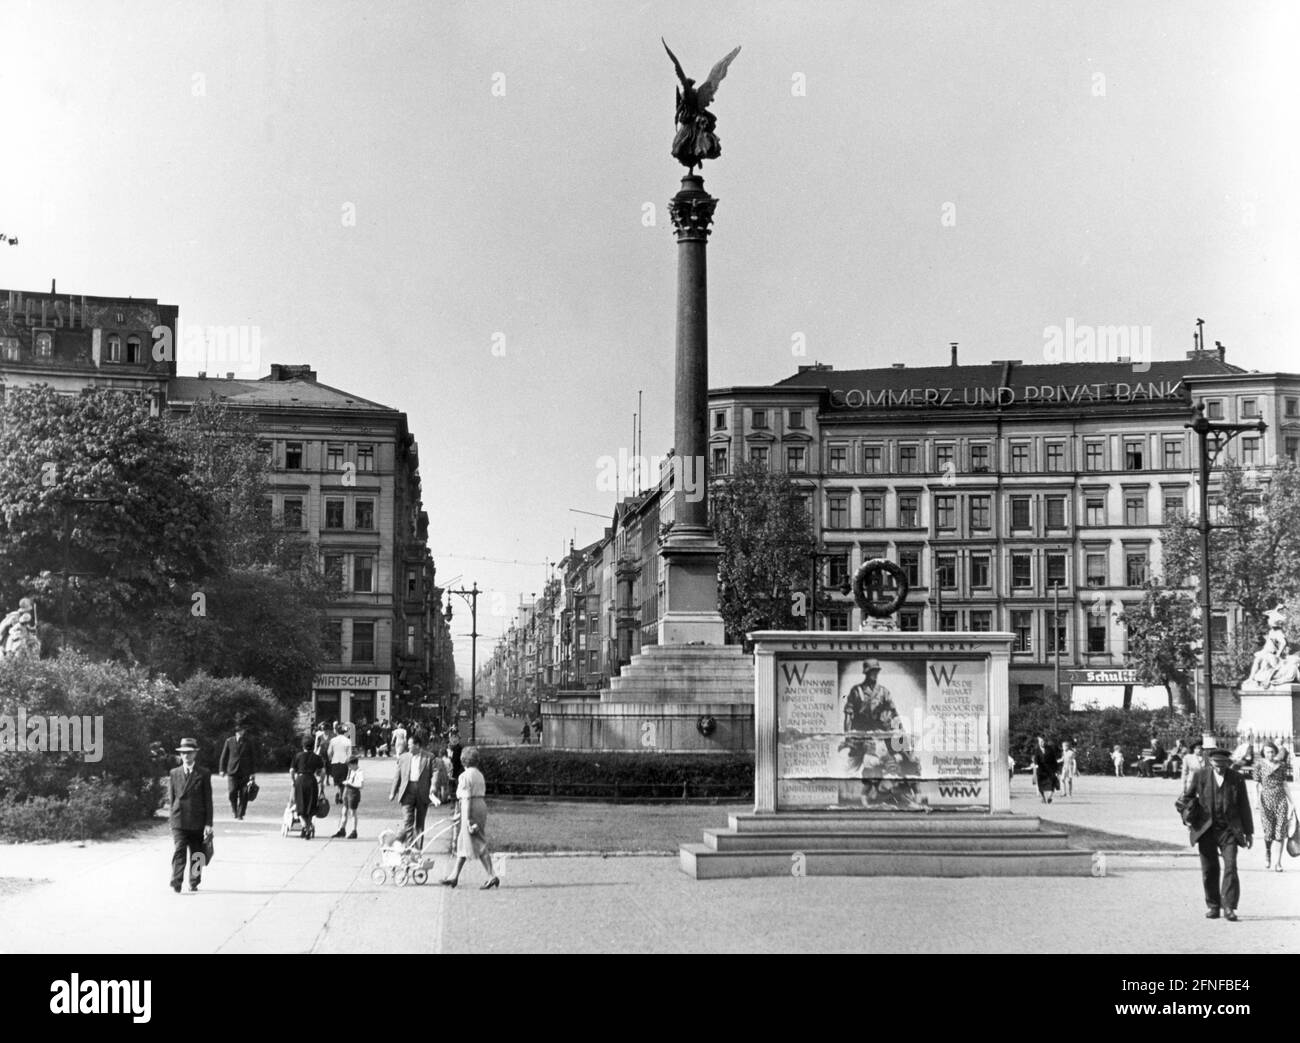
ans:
(265, 893)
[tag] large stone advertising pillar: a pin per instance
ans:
(690, 551)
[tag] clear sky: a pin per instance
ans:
(392, 191)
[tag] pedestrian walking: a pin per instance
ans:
(1117, 759)
(340, 752)
(443, 792)
(1218, 824)
(238, 766)
(526, 735)
(399, 740)
(321, 742)
(189, 802)
(352, 784)
(1069, 768)
(472, 841)
(454, 751)
(412, 785)
(307, 775)
(1046, 765)
(1193, 762)
(1275, 806)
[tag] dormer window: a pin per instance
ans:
(43, 345)
(133, 349)
(114, 348)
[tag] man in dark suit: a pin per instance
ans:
(238, 766)
(411, 786)
(1224, 824)
(189, 802)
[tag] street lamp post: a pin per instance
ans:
(1213, 437)
(471, 599)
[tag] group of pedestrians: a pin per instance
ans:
(1054, 769)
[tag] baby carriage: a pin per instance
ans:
(402, 863)
(292, 823)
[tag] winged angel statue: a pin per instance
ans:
(695, 140)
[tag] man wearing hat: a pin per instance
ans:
(1223, 824)
(189, 801)
(238, 766)
(869, 706)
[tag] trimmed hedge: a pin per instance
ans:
(94, 806)
(534, 771)
(1094, 733)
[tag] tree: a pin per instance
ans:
(767, 543)
(1163, 635)
(1254, 557)
(93, 483)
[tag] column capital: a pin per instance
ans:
(692, 210)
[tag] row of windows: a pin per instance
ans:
(335, 456)
(979, 510)
(759, 419)
(1248, 451)
(293, 514)
(1053, 630)
(361, 573)
(1248, 408)
(363, 641)
(1023, 567)
(116, 349)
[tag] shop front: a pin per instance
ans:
(352, 698)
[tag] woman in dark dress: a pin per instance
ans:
(1046, 767)
(307, 775)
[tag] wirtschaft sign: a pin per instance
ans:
(352, 682)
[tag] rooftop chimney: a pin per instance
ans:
(280, 371)
(899, 365)
(1222, 350)
(230, 376)
(953, 345)
(203, 374)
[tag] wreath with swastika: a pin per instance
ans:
(870, 576)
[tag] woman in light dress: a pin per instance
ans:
(472, 842)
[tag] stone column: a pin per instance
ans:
(690, 552)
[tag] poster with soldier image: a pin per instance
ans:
(906, 735)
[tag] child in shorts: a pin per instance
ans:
(1069, 768)
(1117, 758)
(352, 784)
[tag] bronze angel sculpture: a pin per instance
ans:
(695, 141)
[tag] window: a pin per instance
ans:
(1218, 633)
(1055, 570)
(293, 456)
(981, 512)
(837, 458)
(758, 456)
(946, 568)
(334, 571)
(1214, 410)
(1250, 409)
(410, 583)
(907, 457)
(1019, 457)
(948, 621)
(365, 458)
(981, 621)
(796, 419)
(909, 560)
(333, 514)
(719, 459)
(758, 419)
(719, 421)
(979, 458)
(1094, 456)
(909, 512)
(943, 458)
(1096, 633)
(114, 348)
(1291, 407)
(1293, 449)
(1056, 456)
(909, 620)
(1055, 629)
(873, 511)
(363, 642)
(1020, 512)
(363, 574)
(132, 349)
(1133, 454)
(1055, 512)
(43, 345)
(1095, 566)
(334, 640)
(1173, 454)
(796, 459)
(1022, 571)
(1135, 508)
(837, 511)
(1175, 506)
(334, 458)
(872, 459)
(410, 639)
(365, 514)
(1094, 510)
(1022, 625)
(979, 570)
(1135, 568)
(837, 570)
(837, 621)
(945, 512)
(292, 512)
(1250, 451)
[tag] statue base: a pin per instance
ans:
(1270, 713)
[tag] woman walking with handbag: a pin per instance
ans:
(307, 774)
(1274, 807)
(471, 792)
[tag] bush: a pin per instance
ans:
(94, 806)
(1094, 733)
(214, 703)
(522, 770)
